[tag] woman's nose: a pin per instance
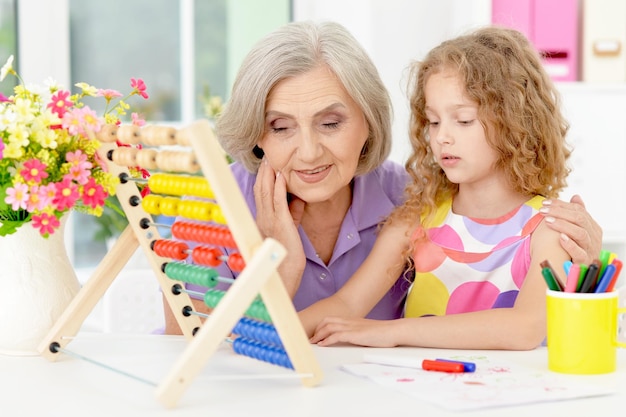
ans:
(309, 147)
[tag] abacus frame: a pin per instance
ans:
(259, 277)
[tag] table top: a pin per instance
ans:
(234, 385)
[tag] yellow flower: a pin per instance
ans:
(88, 90)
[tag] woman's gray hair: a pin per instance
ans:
(291, 50)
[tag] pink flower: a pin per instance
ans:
(17, 196)
(46, 223)
(93, 194)
(34, 200)
(59, 103)
(137, 120)
(78, 121)
(47, 193)
(34, 170)
(108, 94)
(139, 87)
(80, 169)
(3, 98)
(66, 194)
(1, 149)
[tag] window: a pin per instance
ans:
(8, 40)
(180, 48)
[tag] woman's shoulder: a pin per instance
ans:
(245, 179)
(393, 179)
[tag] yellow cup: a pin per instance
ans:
(582, 332)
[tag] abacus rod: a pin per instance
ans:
(291, 375)
(105, 366)
(190, 292)
(196, 313)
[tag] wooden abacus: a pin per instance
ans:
(190, 150)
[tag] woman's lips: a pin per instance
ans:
(313, 175)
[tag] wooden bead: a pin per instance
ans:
(146, 158)
(177, 161)
(129, 134)
(159, 135)
(107, 133)
(125, 156)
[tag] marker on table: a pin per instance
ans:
(440, 365)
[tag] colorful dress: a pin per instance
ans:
(471, 264)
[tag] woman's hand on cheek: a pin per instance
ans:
(279, 220)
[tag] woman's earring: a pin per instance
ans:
(258, 152)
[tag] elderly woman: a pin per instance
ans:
(309, 126)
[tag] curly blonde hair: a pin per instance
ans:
(518, 106)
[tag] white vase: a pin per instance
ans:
(37, 282)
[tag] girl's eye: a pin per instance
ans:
(466, 122)
(433, 123)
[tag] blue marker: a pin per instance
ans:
(603, 283)
(566, 267)
(467, 366)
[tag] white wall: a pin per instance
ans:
(395, 32)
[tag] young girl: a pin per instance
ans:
(488, 145)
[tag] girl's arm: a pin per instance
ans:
(368, 285)
(521, 327)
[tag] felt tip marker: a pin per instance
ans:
(550, 276)
(450, 366)
(467, 366)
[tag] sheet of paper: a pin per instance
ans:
(494, 384)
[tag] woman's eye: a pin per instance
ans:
(331, 125)
(278, 126)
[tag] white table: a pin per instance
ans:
(31, 386)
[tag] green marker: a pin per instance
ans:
(581, 276)
(547, 275)
(605, 255)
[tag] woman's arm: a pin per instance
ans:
(368, 285)
(521, 327)
(581, 236)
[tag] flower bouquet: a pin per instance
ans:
(48, 159)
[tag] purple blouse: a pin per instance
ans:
(374, 196)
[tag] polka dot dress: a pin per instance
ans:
(471, 264)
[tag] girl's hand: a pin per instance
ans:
(278, 219)
(362, 332)
(581, 236)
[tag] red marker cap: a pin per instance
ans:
(441, 366)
